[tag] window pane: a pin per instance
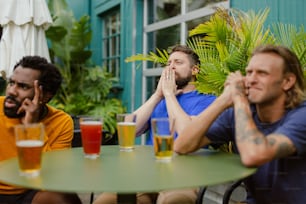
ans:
(111, 42)
(151, 85)
(163, 38)
(163, 9)
(195, 22)
(196, 4)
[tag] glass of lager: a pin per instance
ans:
(29, 143)
(126, 126)
(91, 133)
(163, 136)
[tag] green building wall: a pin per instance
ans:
(131, 24)
(285, 11)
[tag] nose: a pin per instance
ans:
(171, 65)
(250, 79)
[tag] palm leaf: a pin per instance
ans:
(160, 58)
(293, 38)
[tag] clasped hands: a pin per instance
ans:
(234, 87)
(167, 85)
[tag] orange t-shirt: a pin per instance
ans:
(59, 134)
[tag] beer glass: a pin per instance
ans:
(163, 136)
(29, 143)
(91, 134)
(126, 126)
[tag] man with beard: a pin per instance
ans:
(175, 97)
(264, 114)
(32, 85)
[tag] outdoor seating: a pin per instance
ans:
(227, 194)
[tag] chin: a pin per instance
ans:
(12, 113)
(252, 99)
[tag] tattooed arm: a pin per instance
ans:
(254, 147)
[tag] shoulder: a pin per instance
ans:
(58, 114)
(1, 103)
(299, 110)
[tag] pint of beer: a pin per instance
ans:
(29, 143)
(91, 133)
(163, 134)
(126, 126)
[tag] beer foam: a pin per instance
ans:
(91, 123)
(126, 123)
(29, 143)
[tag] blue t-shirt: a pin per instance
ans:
(192, 103)
(281, 180)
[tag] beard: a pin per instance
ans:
(12, 111)
(182, 82)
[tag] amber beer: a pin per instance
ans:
(126, 135)
(91, 133)
(163, 147)
(126, 127)
(163, 136)
(29, 145)
(29, 156)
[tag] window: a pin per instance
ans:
(166, 23)
(111, 42)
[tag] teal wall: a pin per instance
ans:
(285, 11)
(131, 41)
(79, 7)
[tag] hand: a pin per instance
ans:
(168, 83)
(235, 84)
(32, 108)
(158, 91)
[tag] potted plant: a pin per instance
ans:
(86, 86)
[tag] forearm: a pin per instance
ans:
(175, 111)
(253, 146)
(144, 112)
(192, 137)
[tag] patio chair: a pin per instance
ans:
(227, 194)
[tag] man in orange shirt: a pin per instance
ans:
(32, 85)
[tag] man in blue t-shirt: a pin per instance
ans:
(264, 114)
(175, 97)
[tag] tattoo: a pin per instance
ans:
(283, 148)
(245, 133)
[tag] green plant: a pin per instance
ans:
(86, 86)
(225, 42)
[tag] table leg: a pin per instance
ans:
(127, 198)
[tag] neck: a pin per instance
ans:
(270, 113)
(43, 112)
(188, 88)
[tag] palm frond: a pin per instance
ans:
(293, 38)
(161, 57)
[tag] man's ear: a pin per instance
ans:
(289, 81)
(195, 70)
